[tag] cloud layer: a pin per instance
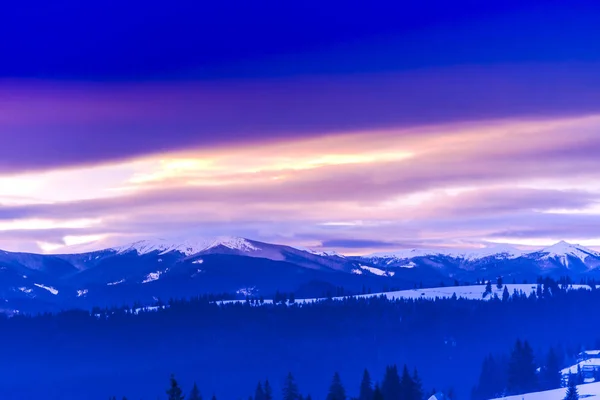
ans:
(526, 181)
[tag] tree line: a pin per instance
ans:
(393, 386)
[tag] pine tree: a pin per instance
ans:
(377, 394)
(522, 376)
(407, 386)
(499, 283)
(259, 393)
(213, 397)
(550, 375)
(390, 387)
(417, 392)
(195, 393)
(336, 390)
(572, 393)
(174, 392)
(268, 391)
(366, 387)
(290, 389)
(505, 294)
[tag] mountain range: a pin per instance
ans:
(148, 270)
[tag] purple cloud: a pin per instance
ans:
(45, 125)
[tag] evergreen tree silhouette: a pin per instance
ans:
(290, 389)
(268, 391)
(259, 393)
(366, 387)
(377, 394)
(195, 393)
(336, 390)
(550, 374)
(174, 392)
(417, 392)
(390, 387)
(505, 294)
(572, 393)
(522, 376)
(407, 386)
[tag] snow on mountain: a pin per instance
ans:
(498, 250)
(48, 288)
(377, 271)
(187, 247)
(563, 251)
(589, 391)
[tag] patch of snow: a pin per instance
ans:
(589, 391)
(323, 253)
(25, 276)
(82, 292)
(377, 271)
(246, 291)
(187, 247)
(25, 290)
(48, 288)
(115, 283)
(409, 265)
(198, 261)
(148, 308)
(198, 272)
(357, 271)
(152, 276)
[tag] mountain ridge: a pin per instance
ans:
(143, 271)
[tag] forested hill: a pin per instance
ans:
(227, 349)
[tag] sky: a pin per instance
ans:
(350, 126)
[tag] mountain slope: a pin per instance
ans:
(150, 269)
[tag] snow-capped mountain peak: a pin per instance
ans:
(499, 250)
(187, 247)
(563, 249)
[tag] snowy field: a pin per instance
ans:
(590, 391)
(473, 292)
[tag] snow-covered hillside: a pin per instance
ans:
(590, 391)
(472, 292)
(187, 247)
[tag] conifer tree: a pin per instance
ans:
(290, 389)
(195, 393)
(572, 393)
(417, 393)
(407, 386)
(522, 376)
(336, 390)
(505, 294)
(268, 391)
(366, 387)
(174, 392)
(390, 387)
(214, 397)
(308, 397)
(377, 394)
(550, 375)
(259, 393)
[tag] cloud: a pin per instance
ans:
(444, 184)
(50, 125)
